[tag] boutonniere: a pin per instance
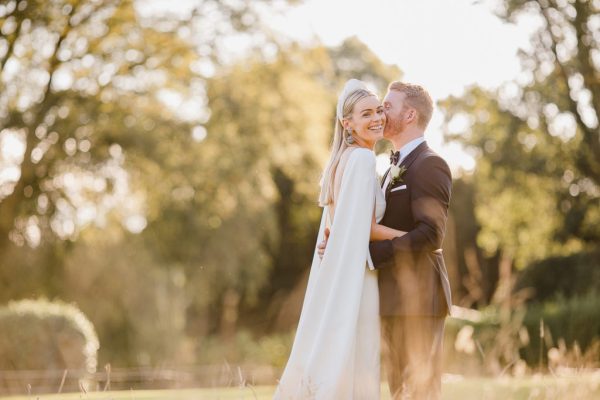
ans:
(397, 174)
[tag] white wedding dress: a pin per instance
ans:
(335, 355)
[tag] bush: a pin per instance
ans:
(39, 334)
(576, 321)
(567, 276)
(497, 344)
(244, 348)
(486, 344)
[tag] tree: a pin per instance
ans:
(102, 103)
(563, 60)
(62, 104)
(83, 82)
(537, 142)
(562, 99)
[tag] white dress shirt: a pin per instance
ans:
(404, 152)
(409, 147)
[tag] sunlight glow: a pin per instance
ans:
(443, 45)
(12, 147)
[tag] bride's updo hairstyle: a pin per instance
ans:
(354, 91)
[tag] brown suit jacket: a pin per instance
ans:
(413, 280)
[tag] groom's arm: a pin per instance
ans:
(430, 197)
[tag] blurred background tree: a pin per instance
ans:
(537, 141)
(535, 192)
(101, 108)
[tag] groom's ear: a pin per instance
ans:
(411, 115)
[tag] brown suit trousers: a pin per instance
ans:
(413, 356)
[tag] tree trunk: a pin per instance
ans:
(229, 314)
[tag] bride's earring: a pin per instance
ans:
(349, 137)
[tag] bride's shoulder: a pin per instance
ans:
(361, 156)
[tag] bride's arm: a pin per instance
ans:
(380, 232)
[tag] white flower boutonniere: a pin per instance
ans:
(397, 174)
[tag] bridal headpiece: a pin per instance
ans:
(352, 85)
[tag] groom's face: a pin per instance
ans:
(395, 112)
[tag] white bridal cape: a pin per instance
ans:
(335, 355)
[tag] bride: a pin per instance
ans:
(335, 354)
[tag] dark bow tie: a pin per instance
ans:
(394, 157)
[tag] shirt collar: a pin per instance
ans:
(409, 147)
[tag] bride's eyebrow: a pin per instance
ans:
(371, 109)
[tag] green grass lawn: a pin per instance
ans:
(580, 387)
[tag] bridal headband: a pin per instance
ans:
(351, 86)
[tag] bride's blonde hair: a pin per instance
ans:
(344, 111)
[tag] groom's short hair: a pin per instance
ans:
(418, 98)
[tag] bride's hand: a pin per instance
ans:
(321, 246)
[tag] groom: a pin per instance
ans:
(414, 290)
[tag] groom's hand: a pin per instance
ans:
(323, 244)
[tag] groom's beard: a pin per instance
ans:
(394, 127)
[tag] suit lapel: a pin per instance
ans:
(414, 155)
(385, 176)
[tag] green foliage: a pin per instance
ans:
(134, 302)
(563, 78)
(39, 334)
(485, 344)
(567, 276)
(496, 342)
(96, 93)
(477, 271)
(537, 141)
(245, 349)
(518, 187)
(106, 116)
(353, 59)
(568, 324)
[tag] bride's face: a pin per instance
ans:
(367, 121)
